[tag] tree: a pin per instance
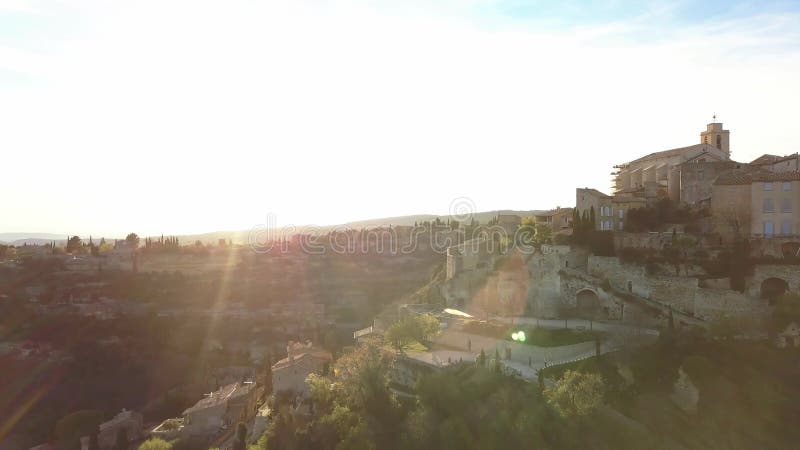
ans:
(526, 233)
(240, 442)
(359, 396)
(121, 442)
(74, 244)
(268, 375)
(155, 444)
(93, 444)
(412, 328)
(70, 428)
(132, 240)
(543, 234)
(576, 393)
(787, 310)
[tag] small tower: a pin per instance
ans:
(716, 137)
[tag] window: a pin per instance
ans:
(787, 186)
(620, 226)
(620, 213)
(719, 141)
(701, 175)
(768, 229)
(769, 205)
(769, 186)
(786, 205)
(786, 227)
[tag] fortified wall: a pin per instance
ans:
(681, 293)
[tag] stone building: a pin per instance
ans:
(128, 421)
(471, 255)
(775, 204)
(610, 211)
(556, 219)
(730, 205)
(221, 409)
(697, 179)
(760, 205)
(775, 163)
(659, 174)
(290, 373)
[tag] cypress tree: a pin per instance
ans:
(122, 440)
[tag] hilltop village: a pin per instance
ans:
(688, 233)
(643, 301)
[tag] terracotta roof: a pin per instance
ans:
(705, 153)
(777, 176)
(314, 354)
(215, 398)
(594, 192)
(765, 159)
(733, 178)
(786, 158)
(668, 153)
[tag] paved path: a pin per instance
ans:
(526, 359)
(576, 324)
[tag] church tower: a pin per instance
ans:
(716, 137)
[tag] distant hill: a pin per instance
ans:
(31, 238)
(241, 236)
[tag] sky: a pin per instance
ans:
(183, 117)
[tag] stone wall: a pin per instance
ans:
(611, 307)
(789, 273)
(684, 293)
(544, 296)
(712, 304)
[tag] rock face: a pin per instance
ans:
(685, 394)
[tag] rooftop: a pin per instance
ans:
(777, 176)
(740, 178)
(221, 396)
(593, 191)
(669, 153)
(300, 357)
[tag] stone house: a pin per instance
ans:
(759, 205)
(610, 211)
(775, 204)
(220, 409)
(129, 421)
(290, 373)
(775, 163)
(556, 219)
(697, 178)
(731, 205)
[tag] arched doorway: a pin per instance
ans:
(588, 304)
(772, 288)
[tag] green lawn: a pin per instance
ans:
(542, 337)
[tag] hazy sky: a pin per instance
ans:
(191, 116)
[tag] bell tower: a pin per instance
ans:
(716, 137)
